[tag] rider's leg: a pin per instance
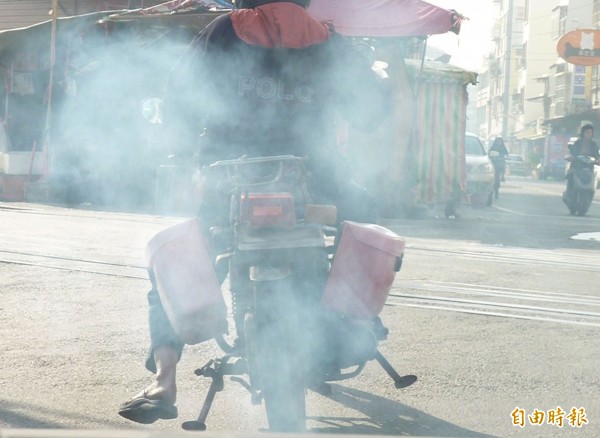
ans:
(498, 177)
(165, 350)
(164, 386)
(569, 181)
(355, 203)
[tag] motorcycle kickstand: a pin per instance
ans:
(216, 385)
(399, 381)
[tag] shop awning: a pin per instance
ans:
(574, 118)
(386, 18)
(529, 133)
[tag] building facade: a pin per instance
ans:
(498, 80)
(574, 90)
(526, 91)
(532, 104)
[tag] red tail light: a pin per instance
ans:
(268, 209)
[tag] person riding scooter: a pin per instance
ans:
(264, 79)
(584, 145)
(580, 175)
(500, 160)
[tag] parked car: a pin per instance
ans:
(516, 165)
(480, 172)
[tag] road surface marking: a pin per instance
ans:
(521, 256)
(546, 216)
(497, 314)
(587, 236)
(498, 302)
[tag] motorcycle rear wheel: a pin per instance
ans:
(497, 183)
(276, 361)
(490, 199)
(285, 404)
(582, 203)
(567, 198)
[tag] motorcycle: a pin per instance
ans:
(580, 191)
(306, 291)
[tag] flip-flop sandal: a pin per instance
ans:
(146, 411)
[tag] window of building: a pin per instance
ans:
(562, 22)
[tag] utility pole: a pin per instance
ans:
(507, 70)
(47, 152)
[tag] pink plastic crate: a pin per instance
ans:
(187, 282)
(363, 270)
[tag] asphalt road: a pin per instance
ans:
(493, 311)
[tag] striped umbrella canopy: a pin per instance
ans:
(439, 128)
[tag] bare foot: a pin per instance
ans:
(158, 391)
(164, 386)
